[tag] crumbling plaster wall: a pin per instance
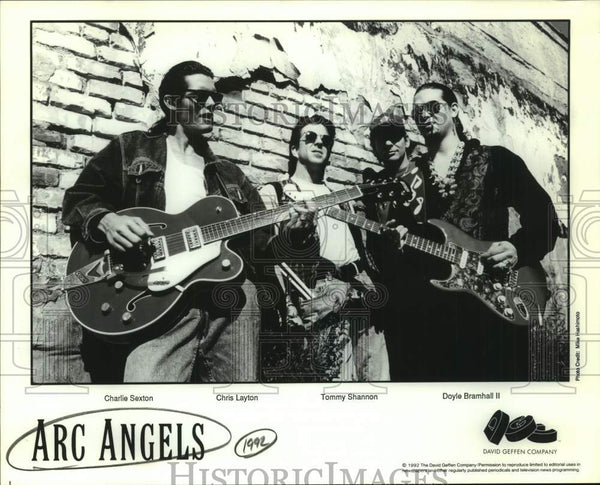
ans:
(93, 81)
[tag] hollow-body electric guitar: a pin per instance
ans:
(119, 295)
(517, 295)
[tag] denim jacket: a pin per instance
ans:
(130, 172)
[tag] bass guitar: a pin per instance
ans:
(118, 295)
(518, 295)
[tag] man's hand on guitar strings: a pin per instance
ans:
(397, 232)
(501, 255)
(123, 232)
(301, 217)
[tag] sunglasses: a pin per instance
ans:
(199, 96)
(432, 108)
(388, 133)
(310, 137)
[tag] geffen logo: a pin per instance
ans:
(518, 429)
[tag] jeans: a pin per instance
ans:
(208, 344)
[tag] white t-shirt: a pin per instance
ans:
(337, 244)
(184, 180)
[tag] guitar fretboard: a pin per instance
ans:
(441, 250)
(233, 227)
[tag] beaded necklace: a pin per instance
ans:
(446, 185)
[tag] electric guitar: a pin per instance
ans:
(518, 296)
(119, 295)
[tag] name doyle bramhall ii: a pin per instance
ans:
(470, 395)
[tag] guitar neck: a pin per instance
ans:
(440, 250)
(233, 227)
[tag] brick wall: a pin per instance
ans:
(86, 88)
(89, 85)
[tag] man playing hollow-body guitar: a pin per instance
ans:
(168, 168)
(441, 335)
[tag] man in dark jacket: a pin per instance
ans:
(169, 168)
(436, 335)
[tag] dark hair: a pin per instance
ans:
(392, 119)
(174, 83)
(449, 97)
(303, 121)
(174, 80)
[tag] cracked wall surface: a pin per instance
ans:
(92, 81)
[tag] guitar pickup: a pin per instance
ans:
(159, 248)
(192, 237)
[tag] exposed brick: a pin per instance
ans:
(111, 128)
(127, 112)
(274, 146)
(259, 113)
(54, 267)
(60, 158)
(280, 117)
(261, 128)
(359, 153)
(49, 197)
(95, 33)
(68, 79)
(80, 103)
(71, 43)
(269, 162)
(345, 163)
(261, 87)
(295, 96)
(48, 137)
(110, 26)
(336, 186)
(259, 99)
(119, 41)
(40, 92)
(375, 166)
(235, 106)
(227, 119)
(65, 27)
(346, 137)
(132, 78)
(44, 63)
(258, 176)
(115, 92)
(67, 179)
(339, 175)
(116, 57)
(230, 152)
(87, 144)
(51, 245)
(59, 117)
(239, 138)
(93, 69)
(44, 176)
(44, 221)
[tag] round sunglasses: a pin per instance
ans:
(311, 137)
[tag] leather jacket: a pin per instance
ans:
(130, 172)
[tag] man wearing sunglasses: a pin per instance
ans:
(332, 348)
(449, 336)
(170, 167)
(395, 269)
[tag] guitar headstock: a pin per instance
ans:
(386, 189)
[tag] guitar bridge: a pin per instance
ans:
(159, 248)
